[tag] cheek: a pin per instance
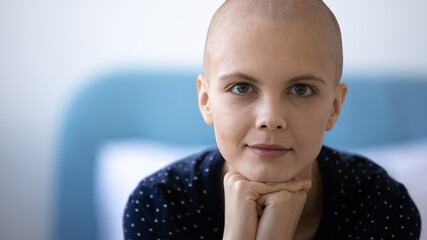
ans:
(230, 125)
(308, 133)
(308, 127)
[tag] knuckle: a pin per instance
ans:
(302, 194)
(287, 197)
(228, 176)
(299, 196)
(235, 182)
(282, 197)
(239, 185)
(284, 194)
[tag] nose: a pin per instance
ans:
(271, 125)
(270, 117)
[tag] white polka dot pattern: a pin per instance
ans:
(172, 202)
(183, 201)
(361, 201)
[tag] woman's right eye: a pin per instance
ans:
(242, 88)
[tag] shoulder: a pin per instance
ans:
(351, 173)
(165, 202)
(364, 200)
(181, 176)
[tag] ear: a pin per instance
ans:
(202, 89)
(339, 97)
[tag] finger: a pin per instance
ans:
(239, 185)
(261, 200)
(259, 210)
(281, 197)
(306, 185)
(232, 175)
(259, 188)
(293, 185)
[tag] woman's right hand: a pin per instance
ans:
(242, 203)
(240, 195)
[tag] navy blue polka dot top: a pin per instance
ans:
(183, 201)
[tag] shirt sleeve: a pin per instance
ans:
(139, 219)
(406, 224)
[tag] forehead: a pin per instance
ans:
(273, 49)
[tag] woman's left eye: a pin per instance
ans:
(242, 88)
(302, 90)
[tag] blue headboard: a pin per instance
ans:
(162, 106)
(381, 109)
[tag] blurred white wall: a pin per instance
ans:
(383, 35)
(49, 49)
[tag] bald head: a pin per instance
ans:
(310, 14)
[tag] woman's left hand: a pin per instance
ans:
(280, 211)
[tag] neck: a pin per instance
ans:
(312, 212)
(314, 195)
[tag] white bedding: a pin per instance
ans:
(119, 168)
(121, 165)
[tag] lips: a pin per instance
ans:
(269, 150)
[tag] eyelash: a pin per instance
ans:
(310, 88)
(252, 89)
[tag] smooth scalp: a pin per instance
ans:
(312, 13)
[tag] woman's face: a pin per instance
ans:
(270, 96)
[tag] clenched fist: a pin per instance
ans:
(255, 210)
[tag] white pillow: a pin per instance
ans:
(120, 166)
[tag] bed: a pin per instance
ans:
(126, 124)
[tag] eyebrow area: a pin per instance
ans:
(254, 80)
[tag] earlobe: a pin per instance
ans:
(340, 94)
(203, 94)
